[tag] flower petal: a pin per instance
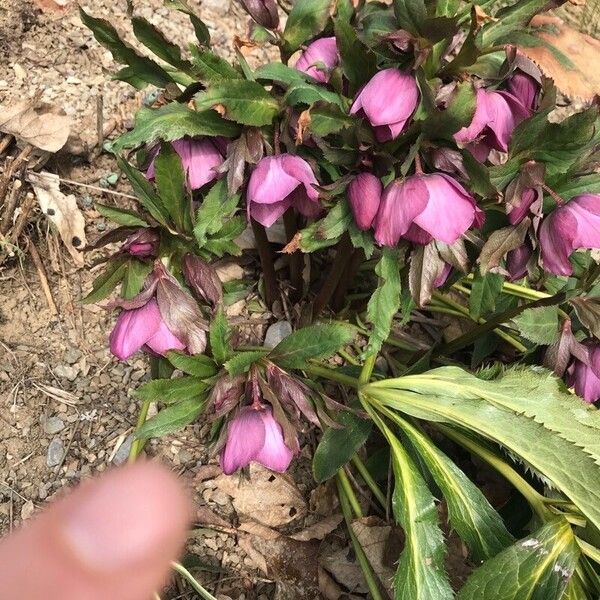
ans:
(364, 197)
(321, 53)
(164, 340)
(557, 233)
(586, 210)
(270, 183)
(134, 328)
(200, 159)
(274, 455)
(267, 214)
(300, 170)
(245, 439)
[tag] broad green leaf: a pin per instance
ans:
(214, 212)
(121, 216)
(105, 283)
(385, 301)
(246, 102)
(144, 191)
(170, 391)
(538, 567)
(411, 15)
(306, 19)
(197, 365)
(240, 363)
(219, 337)
(327, 231)
(224, 241)
(573, 186)
(527, 411)
(170, 182)
(172, 122)
(201, 30)
(539, 325)
(172, 418)
(328, 119)
(485, 291)
(212, 68)
(447, 8)
(156, 42)
(313, 342)
(359, 62)
(469, 512)
(135, 274)
(144, 68)
(338, 446)
(281, 73)
(308, 93)
(459, 113)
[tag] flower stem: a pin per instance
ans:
(418, 164)
(204, 594)
(349, 493)
(266, 262)
(314, 368)
(371, 483)
(138, 444)
(296, 258)
(367, 370)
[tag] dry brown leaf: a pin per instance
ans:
(324, 499)
(62, 210)
(482, 17)
(319, 530)
(583, 51)
(304, 121)
(60, 6)
(206, 517)
(344, 568)
(36, 124)
(271, 499)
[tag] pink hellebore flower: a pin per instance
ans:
(255, 435)
(143, 243)
(200, 158)
(140, 327)
(585, 378)
(425, 207)
(572, 226)
(279, 182)
(524, 88)
(519, 211)
(364, 197)
(319, 59)
(388, 101)
(496, 116)
(516, 262)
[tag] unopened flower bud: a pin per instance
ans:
(202, 278)
(264, 12)
(364, 197)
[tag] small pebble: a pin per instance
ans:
(66, 372)
(53, 425)
(27, 510)
(123, 452)
(277, 332)
(56, 451)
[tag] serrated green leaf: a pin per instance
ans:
(338, 446)
(121, 216)
(135, 274)
(539, 325)
(313, 342)
(538, 567)
(144, 67)
(411, 15)
(201, 30)
(171, 391)
(327, 231)
(443, 124)
(223, 242)
(170, 182)
(281, 73)
(306, 19)
(105, 283)
(212, 68)
(219, 337)
(172, 122)
(328, 119)
(485, 291)
(573, 186)
(242, 361)
(385, 301)
(172, 418)
(215, 210)
(358, 61)
(245, 102)
(197, 365)
(309, 94)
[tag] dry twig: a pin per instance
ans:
(41, 271)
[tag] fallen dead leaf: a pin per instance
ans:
(62, 210)
(319, 530)
(344, 568)
(583, 51)
(271, 499)
(206, 517)
(36, 123)
(60, 6)
(323, 499)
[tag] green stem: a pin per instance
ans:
(368, 479)
(589, 550)
(204, 594)
(367, 370)
(138, 444)
(514, 289)
(349, 493)
(314, 368)
(363, 561)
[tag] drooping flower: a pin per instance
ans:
(496, 116)
(254, 435)
(364, 197)
(264, 12)
(516, 262)
(388, 101)
(143, 243)
(518, 211)
(278, 183)
(569, 227)
(585, 377)
(202, 277)
(200, 158)
(421, 208)
(525, 88)
(141, 327)
(319, 59)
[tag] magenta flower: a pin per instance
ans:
(140, 327)
(319, 59)
(517, 212)
(524, 88)
(255, 436)
(441, 279)
(264, 12)
(421, 208)
(201, 159)
(516, 262)
(388, 101)
(585, 377)
(143, 243)
(278, 183)
(570, 227)
(364, 197)
(496, 116)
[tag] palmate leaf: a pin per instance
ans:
(538, 567)
(527, 411)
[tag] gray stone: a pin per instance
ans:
(72, 355)
(123, 452)
(56, 451)
(277, 332)
(66, 372)
(53, 425)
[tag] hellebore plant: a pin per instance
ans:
(394, 186)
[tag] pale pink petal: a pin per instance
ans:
(585, 378)
(200, 159)
(300, 170)
(274, 455)
(267, 214)
(556, 236)
(364, 197)
(270, 183)
(586, 210)
(319, 59)
(416, 235)
(164, 340)
(504, 113)
(518, 212)
(133, 329)
(480, 120)
(245, 439)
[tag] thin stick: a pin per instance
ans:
(10, 206)
(266, 261)
(296, 258)
(12, 166)
(90, 187)
(5, 142)
(41, 271)
(23, 217)
(100, 117)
